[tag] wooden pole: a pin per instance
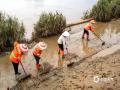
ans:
(81, 22)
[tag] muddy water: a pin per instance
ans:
(6, 73)
(7, 77)
(28, 11)
(113, 25)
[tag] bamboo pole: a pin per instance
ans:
(81, 22)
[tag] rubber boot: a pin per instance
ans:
(83, 36)
(88, 38)
(38, 67)
(62, 61)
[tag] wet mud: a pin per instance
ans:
(92, 74)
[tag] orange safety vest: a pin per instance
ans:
(15, 55)
(88, 27)
(37, 51)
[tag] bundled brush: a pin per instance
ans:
(69, 58)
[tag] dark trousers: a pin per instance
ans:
(15, 66)
(61, 46)
(36, 58)
(85, 32)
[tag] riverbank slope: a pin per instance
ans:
(96, 72)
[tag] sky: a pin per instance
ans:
(28, 11)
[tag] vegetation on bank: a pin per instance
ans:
(49, 24)
(104, 10)
(10, 30)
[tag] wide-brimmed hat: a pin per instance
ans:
(66, 34)
(92, 21)
(42, 45)
(24, 48)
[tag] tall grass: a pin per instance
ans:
(10, 30)
(115, 8)
(104, 10)
(49, 24)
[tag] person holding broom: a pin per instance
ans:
(37, 51)
(16, 55)
(62, 44)
(88, 27)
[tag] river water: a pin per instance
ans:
(29, 10)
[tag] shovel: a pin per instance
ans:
(103, 43)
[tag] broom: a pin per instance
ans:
(103, 43)
(26, 75)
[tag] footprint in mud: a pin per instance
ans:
(119, 74)
(109, 72)
(46, 84)
(74, 77)
(90, 86)
(77, 86)
(110, 89)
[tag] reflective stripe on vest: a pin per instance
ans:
(13, 55)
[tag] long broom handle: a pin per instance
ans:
(97, 36)
(23, 68)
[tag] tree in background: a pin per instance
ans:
(49, 24)
(101, 11)
(10, 30)
(115, 8)
(104, 10)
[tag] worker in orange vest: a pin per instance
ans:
(37, 51)
(87, 27)
(16, 55)
(62, 44)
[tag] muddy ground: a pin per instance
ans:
(92, 73)
(88, 65)
(95, 67)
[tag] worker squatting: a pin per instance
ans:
(20, 49)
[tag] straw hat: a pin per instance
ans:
(92, 21)
(66, 34)
(24, 48)
(42, 45)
